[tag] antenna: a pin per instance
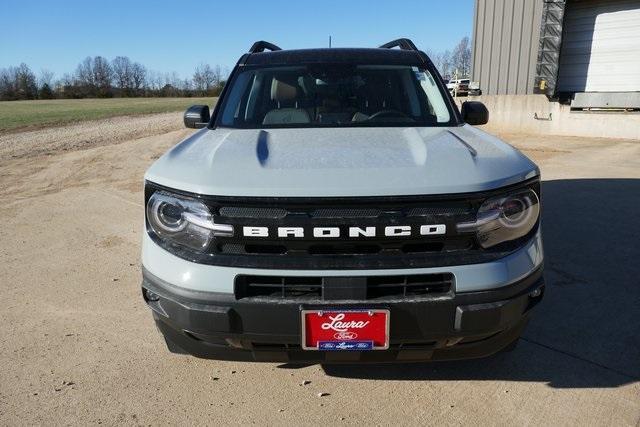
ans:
(329, 41)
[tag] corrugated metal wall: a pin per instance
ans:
(505, 45)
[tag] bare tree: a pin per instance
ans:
(138, 76)
(65, 85)
(26, 86)
(67, 79)
(462, 58)
(84, 72)
(157, 80)
(154, 80)
(93, 77)
(45, 78)
(122, 74)
(7, 84)
(45, 88)
(204, 78)
(442, 61)
(186, 86)
(102, 75)
(173, 79)
(217, 75)
(172, 85)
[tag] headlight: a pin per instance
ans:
(504, 218)
(183, 221)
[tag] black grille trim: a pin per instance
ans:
(346, 213)
(240, 212)
(318, 288)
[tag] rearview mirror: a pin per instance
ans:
(197, 116)
(474, 113)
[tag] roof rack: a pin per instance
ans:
(261, 45)
(404, 44)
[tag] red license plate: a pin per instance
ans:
(340, 330)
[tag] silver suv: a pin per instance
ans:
(337, 207)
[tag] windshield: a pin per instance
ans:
(330, 95)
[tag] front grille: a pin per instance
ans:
(408, 286)
(333, 288)
(344, 252)
(278, 287)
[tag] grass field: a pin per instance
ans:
(17, 115)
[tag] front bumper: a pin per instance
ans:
(459, 326)
(193, 276)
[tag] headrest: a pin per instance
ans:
(283, 92)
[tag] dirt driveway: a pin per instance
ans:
(78, 345)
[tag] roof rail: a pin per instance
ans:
(261, 45)
(404, 44)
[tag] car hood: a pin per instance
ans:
(340, 162)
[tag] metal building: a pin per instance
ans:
(586, 52)
(505, 45)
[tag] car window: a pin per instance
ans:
(330, 95)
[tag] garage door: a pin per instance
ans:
(600, 47)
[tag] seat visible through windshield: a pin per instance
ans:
(334, 95)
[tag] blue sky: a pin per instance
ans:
(177, 35)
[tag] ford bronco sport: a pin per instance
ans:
(336, 206)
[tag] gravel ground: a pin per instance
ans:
(87, 134)
(78, 345)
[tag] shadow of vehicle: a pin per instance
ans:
(586, 332)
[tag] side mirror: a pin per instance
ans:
(474, 113)
(197, 116)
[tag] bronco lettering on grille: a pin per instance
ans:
(333, 232)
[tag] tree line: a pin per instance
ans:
(97, 77)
